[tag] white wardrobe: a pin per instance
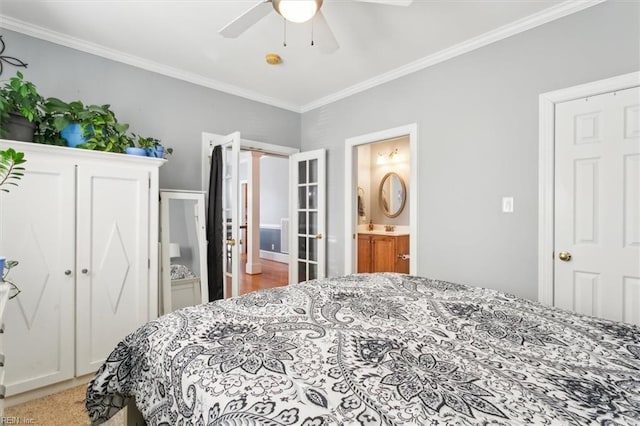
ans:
(83, 226)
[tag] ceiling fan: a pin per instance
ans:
(297, 11)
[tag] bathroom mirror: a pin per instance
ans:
(392, 195)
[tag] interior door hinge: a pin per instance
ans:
(149, 183)
(148, 263)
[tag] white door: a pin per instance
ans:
(112, 287)
(40, 320)
(307, 177)
(597, 206)
(231, 213)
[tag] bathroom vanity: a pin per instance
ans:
(381, 251)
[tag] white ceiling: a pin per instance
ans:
(180, 38)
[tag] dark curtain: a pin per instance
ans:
(215, 247)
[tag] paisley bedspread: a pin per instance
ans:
(378, 349)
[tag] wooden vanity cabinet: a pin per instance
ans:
(383, 253)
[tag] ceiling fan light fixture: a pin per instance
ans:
(297, 10)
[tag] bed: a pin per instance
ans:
(185, 287)
(374, 349)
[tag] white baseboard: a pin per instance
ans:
(276, 257)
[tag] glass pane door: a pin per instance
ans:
(230, 213)
(308, 180)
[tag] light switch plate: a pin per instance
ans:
(507, 204)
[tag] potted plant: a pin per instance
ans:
(141, 148)
(152, 146)
(47, 133)
(11, 171)
(92, 127)
(21, 109)
(108, 134)
(68, 119)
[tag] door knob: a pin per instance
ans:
(318, 236)
(565, 256)
(85, 271)
(231, 243)
(67, 272)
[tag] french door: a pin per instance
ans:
(307, 183)
(307, 207)
(231, 213)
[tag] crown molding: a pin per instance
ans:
(32, 30)
(547, 15)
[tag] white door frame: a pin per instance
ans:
(410, 130)
(209, 140)
(546, 164)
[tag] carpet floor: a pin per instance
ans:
(60, 409)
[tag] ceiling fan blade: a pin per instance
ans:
(243, 22)
(390, 2)
(326, 41)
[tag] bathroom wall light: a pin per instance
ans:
(391, 156)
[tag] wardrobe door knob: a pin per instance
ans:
(85, 271)
(67, 272)
(565, 256)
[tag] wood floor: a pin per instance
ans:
(274, 274)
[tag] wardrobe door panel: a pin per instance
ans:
(113, 259)
(37, 229)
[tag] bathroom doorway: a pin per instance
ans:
(381, 193)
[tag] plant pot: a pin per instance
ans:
(156, 151)
(73, 135)
(19, 128)
(136, 151)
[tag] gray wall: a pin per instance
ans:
(478, 131)
(172, 110)
(274, 198)
(477, 118)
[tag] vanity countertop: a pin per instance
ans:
(383, 232)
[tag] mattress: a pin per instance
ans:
(374, 349)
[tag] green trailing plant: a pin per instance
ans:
(143, 142)
(20, 97)
(47, 133)
(10, 168)
(108, 134)
(62, 113)
(98, 124)
(150, 143)
(11, 171)
(8, 266)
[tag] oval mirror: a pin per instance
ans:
(392, 195)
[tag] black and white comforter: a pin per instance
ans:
(381, 349)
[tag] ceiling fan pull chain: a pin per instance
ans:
(284, 41)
